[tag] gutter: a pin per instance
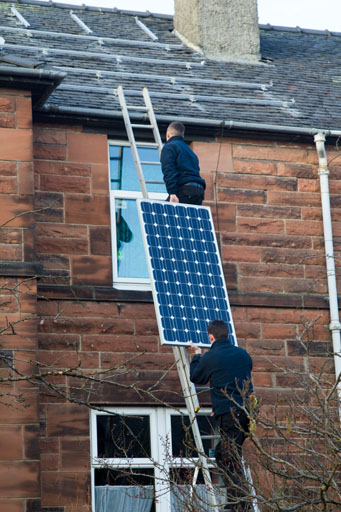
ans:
(50, 78)
(217, 123)
(334, 325)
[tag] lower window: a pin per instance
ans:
(144, 460)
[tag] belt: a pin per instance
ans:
(193, 184)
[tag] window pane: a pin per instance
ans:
(131, 261)
(182, 438)
(123, 172)
(123, 436)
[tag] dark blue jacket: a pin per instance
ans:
(227, 367)
(179, 165)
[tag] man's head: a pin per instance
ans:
(217, 329)
(175, 129)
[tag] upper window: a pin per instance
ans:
(144, 459)
(129, 262)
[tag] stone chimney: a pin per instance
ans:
(220, 29)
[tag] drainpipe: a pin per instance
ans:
(334, 325)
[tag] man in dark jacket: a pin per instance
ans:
(180, 167)
(228, 369)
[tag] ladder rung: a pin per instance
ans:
(203, 388)
(154, 182)
(137, 107)
(142, 126)
(213, 436)
(150, 163)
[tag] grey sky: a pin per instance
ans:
(290, 13)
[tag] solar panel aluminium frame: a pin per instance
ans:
(163, 340)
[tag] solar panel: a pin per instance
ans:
(187, 278)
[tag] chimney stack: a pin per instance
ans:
(220, 29)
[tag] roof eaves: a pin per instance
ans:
(300, 30)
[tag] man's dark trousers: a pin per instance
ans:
(190, 193)
(233, 427)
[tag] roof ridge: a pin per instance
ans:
(315, 32)
(84, 7)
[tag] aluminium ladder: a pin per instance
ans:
(188, 388)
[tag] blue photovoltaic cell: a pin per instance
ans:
(185, 269)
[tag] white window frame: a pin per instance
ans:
(160, 427)
(127, 283)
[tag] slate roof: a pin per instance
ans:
(297, 83)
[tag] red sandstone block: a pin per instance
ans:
(10, 236)
(11, 252)
(87, 147)
(75, 454)
(11, 442)
(95, 270)
(262, 379)
(18, 145)
(8, 303)
(315, 214)
(54, 261)
(49, 445)
(266, 347)
(100, 241)
(25, 178)
(277, 363)
(63, 488)
(49, 462)
(19, 479)
(113, 344)
(256, 182)
(148, 361)
(23, 112)
(264, 211)
(318, 286)
(49, 151)
(7, 104)
(62, 246)
(61, 168)
(299, 227)
(312, 158)
(254, 167)
(99, 179)
(231, 195)
(309, 185)
(235, 253)
(79, 325)
(278, 331)
(247, 330)
(68, 342)
(88, 309)
(267, 240)
(291, 257)
(7, 120)
(254, 225)
(269, 153)
(67, 420)
(81, 209)
(259, 284)
(296, 170)
(293, 199)
(224, 216)
(146, 327)
(8, 169)
(271, 270)
(65, 184)
(48, 136)
(135, 310)
(213, 156)
(13, 505)
(8, 185)
(315, 272)
(54, 230)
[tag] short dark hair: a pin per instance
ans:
(177, 128)
(218, 329)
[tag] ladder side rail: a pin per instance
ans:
(191, 400)
(152, 119)
(132, 141)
